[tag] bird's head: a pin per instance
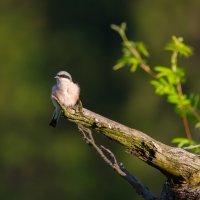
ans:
(63, 75)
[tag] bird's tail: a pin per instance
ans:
(53, 122)
(55, 118)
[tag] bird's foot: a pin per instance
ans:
(79, 107)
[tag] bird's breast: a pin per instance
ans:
(67, 93)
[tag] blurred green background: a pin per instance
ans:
(39, 38)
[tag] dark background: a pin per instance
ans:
(39, 38)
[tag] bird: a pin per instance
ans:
(66, 92)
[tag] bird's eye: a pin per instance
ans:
(64, 76)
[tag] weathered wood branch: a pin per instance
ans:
(111, 160)
(175, 163)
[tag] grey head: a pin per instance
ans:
(64, 75)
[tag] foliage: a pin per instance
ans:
(167, 80)
(184, 142)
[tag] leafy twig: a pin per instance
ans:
(132, 48)
(167, 81)
(175, 48)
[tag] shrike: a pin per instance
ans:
(66, 91)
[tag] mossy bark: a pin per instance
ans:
(181, 168)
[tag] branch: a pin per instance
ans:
(180, 93)
(175, 163)
(192, 147)
(121, 31)
(111, 160)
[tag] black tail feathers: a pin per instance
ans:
(53, 122)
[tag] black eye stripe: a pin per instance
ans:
(64, 76)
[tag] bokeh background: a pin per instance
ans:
(39, 38)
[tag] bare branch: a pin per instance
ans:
(111, 160)
(114, 164)
(140, 188)
(192, 147)
(87, 134)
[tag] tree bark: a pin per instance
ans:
(181, 168)
(173, 191)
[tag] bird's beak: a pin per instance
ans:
(55, 76)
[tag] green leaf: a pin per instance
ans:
(177, 44)
(158, 87)
(173, 98)
(162, 86)
(173, 77)
(118, 66)
(183, 100)
(133, 68)
(180, 72)
(127, 61)
(182, 142)
(197, 151)
(142, 48)
(135, 62)
(197, 125)
(195, 101)
(163, 71)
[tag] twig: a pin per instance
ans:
(114, 164)
(183, 114)
(180, 93)
(87, 135)
(111, 160)
(121, 31)
(133, 50)
(140, 188)
(192, 147)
